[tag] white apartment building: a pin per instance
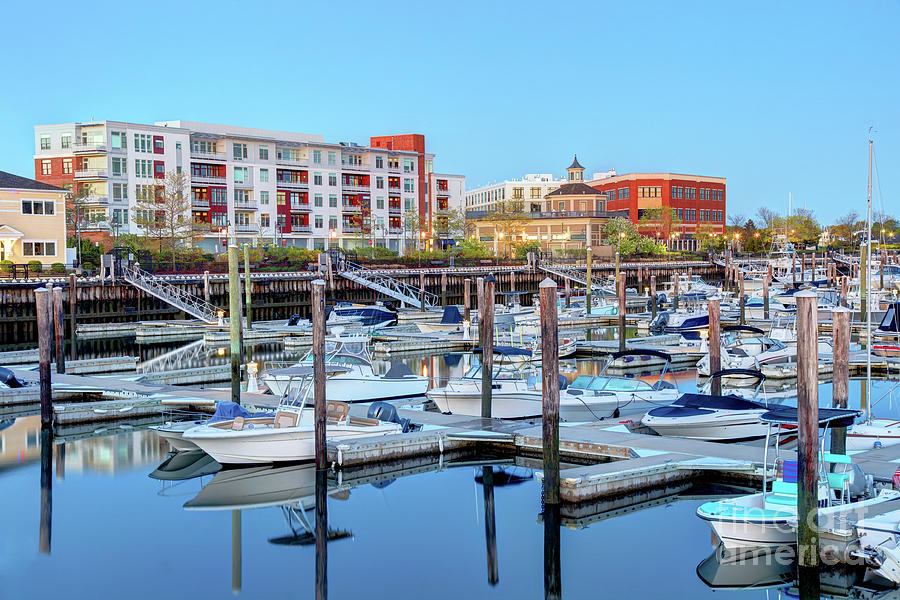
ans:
(249, 185)
(531, 189)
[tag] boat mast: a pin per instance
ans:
(868, 286)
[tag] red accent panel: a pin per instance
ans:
(158, 144)
(159, 169)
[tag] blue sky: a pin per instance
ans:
(775, 96)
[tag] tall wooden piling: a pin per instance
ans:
(765, 292)
(467, 299)
(479, 299)
(45, 336)
(487, 346)
(794, 270)
(550, 378)
(727, 270)
(46, 517)
(589, 282)
(59, 327)
(318, 350)
(444, 289)
(621, 312)
(234, 322)
(653, 297)
(841, 374)
(568, 292)
(206, 286)
(808, 429)
(844, 286)
(715, 343)
(247, 285)
(422, 291)
(490, 525)
(73, 299)
(743, 301)
(675, 293)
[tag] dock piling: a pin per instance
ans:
(550, 379)
(715, 344)
(652, 297)
(444, 289)
(321, 534)
(742, 300)
(247, 284)
(206, 286)
(568, 292)
(675, 293)
(59, 326)
(490, 525)
(479, 299)
(46, 489)
(467, 300)
(73, 289)
(765, 297)
(621, 312)
(487, 346)
(234, 322)
(422, 292)
(45, 335)
(841, 374)
(318, 351)
(808, 429)
(589, 282)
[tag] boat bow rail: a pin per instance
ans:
(387, 285)
(174, 295)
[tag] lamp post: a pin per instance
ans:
(332, 234)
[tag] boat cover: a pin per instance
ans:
(225, 411)
(451, 315)
(506, 351)
(657, 353)
(835, 417)
(398, 370)
(891, 320)
(699, 404)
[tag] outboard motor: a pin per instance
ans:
(389, 305)
(386, 412)
(294, 320)
(8, 378)
(861, 485)
(658, 325)
(661, 300)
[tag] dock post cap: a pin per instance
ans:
(490, 278)
(805, 294)
(318, 281)
(842, 309)
(547, 282)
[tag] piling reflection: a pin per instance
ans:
(46, 489)
(552, 578)
(490, 526)
(237, 548)
(321, 534)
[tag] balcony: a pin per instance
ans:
(353, 167)
(394, 169)
(440, 192)
(246, 228)
(243, 185)
(394, 209)
(352, 208)
(351, 229)
(213, 179)
(91, 174)
(292, 185)
(301, 229)
(200, 204)
(96, 201)
(246, 206)
(579, 214)
(301, 208)
(394, 189)
(291, 161)
(208, 155)
(395, 230)
(82, 148)
(347, 187)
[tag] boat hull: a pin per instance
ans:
(514, 404)
(357, 390)
(713, 428)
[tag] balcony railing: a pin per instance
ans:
(352, 187)
(394, 209)
(208, 179)
(354, 167)
(301, 207)
(200, 204)
(91, 174)
(301, 229)
(247, 228)
(96, 200)
(395, 230)
(351, 229)
(208, 155)
(246, 206)
(291, 161)
(79, 148)
(440, 192)
(294, 185)
(243, 185)
(354, 208)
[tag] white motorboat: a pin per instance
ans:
(873, 433)
(351, 377)
(769, 518)
(451, 321)
(256, 487)
(748, 352)
(173, 433)
(712, 418)
(595, 397)
(879, 542)
(365, 315)
(288, 436)
(680, 322)
(566, 347)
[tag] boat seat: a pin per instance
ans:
(837, 458)
(285, 419)
(836, 481)
(336, 412)
(238, 424)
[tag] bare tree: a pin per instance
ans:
(766, 217)
(509, 219)
(737, 219)
(843, 227)
(166, 217)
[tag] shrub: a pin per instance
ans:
(6, 266)
(35, 266)
(87, 266)
(58, 268)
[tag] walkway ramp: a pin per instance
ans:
(174, 295)
(386, 285)
(577, 275)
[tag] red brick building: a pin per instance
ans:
(681, 209)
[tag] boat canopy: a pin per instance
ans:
(746, 328)
(656, 353)
(833, 417)
(505, 351)
(306, 370)
(738, 372)
(701, 404)
(451, 315)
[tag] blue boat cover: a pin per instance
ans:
(699, 404)
(225, 411)
(835, 417)
(506, 351)
(451, 315)
(891, 320)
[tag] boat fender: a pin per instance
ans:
(8, 378)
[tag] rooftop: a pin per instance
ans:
(8, 181)
(576, 189)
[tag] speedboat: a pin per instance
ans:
(351, 377)
(366, 315)
(595, 397)
(516, 390)
(288, 436)
(886, 336)
(873, 433)
(173, 431)
(769, 518)
(740, 352)
(451, 321)
(680, 322)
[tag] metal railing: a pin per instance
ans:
(301, 207)
(208, 155)
(174, 295)
(80, 147)
(386, 285)
(284, 183)
(207, 179)
(90, 173)
(246, 206)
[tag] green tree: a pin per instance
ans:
(509, 221)
(623, 235)
(472, 247)
(413, 229)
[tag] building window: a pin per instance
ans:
(332, 178)
(332, 223)
(281, 198)
(379, 183)
(120, 191)
(119, 166)
(535, 192)
(264, 175)
(317, 200)
(379, 202)
(263, 197)
(118, 140)
(263, 153)
(332, 200)
(239, 151)
(409, 165)
(332, 158)
(409, 186)
(46, 168)
(379, 162)
(318, 221)
(45, 142)
(67, 166)
(317, 178)
(37, 207)
(39, 248)
(66, 141)
(143, 142)
(518, 193)
(241, 174)
(264, 220)
(317, 157)
(159, 169)
(158, 145)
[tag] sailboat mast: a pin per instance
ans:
(868, 286)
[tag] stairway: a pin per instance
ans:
(387, 285)
(174, 295)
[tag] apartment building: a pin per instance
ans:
(531, 189)
(249, 185)
(32, 221)
(680, 209)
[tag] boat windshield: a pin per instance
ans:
(610, 384)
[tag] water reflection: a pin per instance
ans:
(46, 489)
